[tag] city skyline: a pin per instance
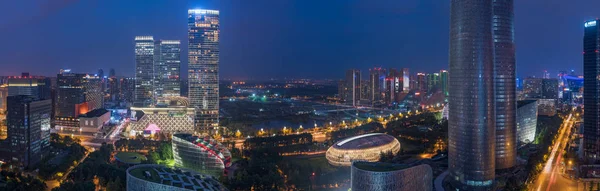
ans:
(247, 57)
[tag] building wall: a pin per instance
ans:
(28, 125)
(191, 156)
(203, 67)
(167, 67)
(505, 90)
(410, 179)
(137, 184)
(93, 124)
(471, 120)
(144, 70)
(527, 122)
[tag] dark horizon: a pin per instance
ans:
(276, 39)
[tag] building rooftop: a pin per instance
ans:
(379, 166)
(524, 102)
(364, 141)
(176, 177)
(95, 113)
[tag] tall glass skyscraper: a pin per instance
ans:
(167, 64)
(144, 71)
(591, 90)
(471, 119)
(203, 69)
(506, 102)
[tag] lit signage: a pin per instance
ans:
(590, 24)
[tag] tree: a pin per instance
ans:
(166, 151)
(115, 185)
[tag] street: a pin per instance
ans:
(550, 179)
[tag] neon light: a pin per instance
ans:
(357, 137)
(590, 24)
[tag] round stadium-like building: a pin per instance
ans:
(366, 147)
(386, 176)
(146, 177)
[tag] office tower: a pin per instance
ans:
(364, 90)
(532, 87)
(25, 84)
(444, 81)
(549, 89)
(376, 84)
(421, 82)
(70, 98)
(546, 75)
(127, 90)
(112, 73)
(392, 86)
(471, 119)
(591, 90)
(433, 81)
(203, 67)
(342, 90)
(94, 96)
(144, 71)
(167, 63)
(405, 79)
(28, 124)
(505, 90)
(353, 87)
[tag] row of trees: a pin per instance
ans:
(64, 145)
(96, 168)
(258, 172)
(277, 141)
(17, 181)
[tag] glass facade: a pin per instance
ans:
(527, 112)
(69, 95)
(202, 154)
(28, 125)
(203, 67)
(366, 176)
(167, 65)
(144, 71)
(591, 89)
(147, 177)
(353, 88)
(471, 119)
(505, 80)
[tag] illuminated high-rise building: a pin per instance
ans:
(421, 82)
(203, 67)
(37, 86)
(478, 31)
(505, 81)
(444, 81)
(405, 80)
(167, 64)
(353, 87)
(70, 98)
(433, 81)
(591, 90)
(28, 122)
(144, 71)
(376, 84)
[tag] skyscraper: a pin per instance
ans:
(433, 81)
(203, 69)
(405, 80)
(144, 70)
(353, 87)
(28, 124)
(591, 90)
(444, 82)
(421, 82)
(376, 84)
(37, 86)
(70, 99)
(471, 119)
(167, 64)
(505, 90)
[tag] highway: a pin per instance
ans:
(550, 179)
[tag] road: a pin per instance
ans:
(56, 183)
(550, 179)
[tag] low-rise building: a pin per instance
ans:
(161, 178)
(202, 154)
(369, 176)
(94, 120)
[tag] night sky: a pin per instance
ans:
(277, 38)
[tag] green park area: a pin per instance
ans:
(130, 157)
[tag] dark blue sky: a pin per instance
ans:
(277, 38)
